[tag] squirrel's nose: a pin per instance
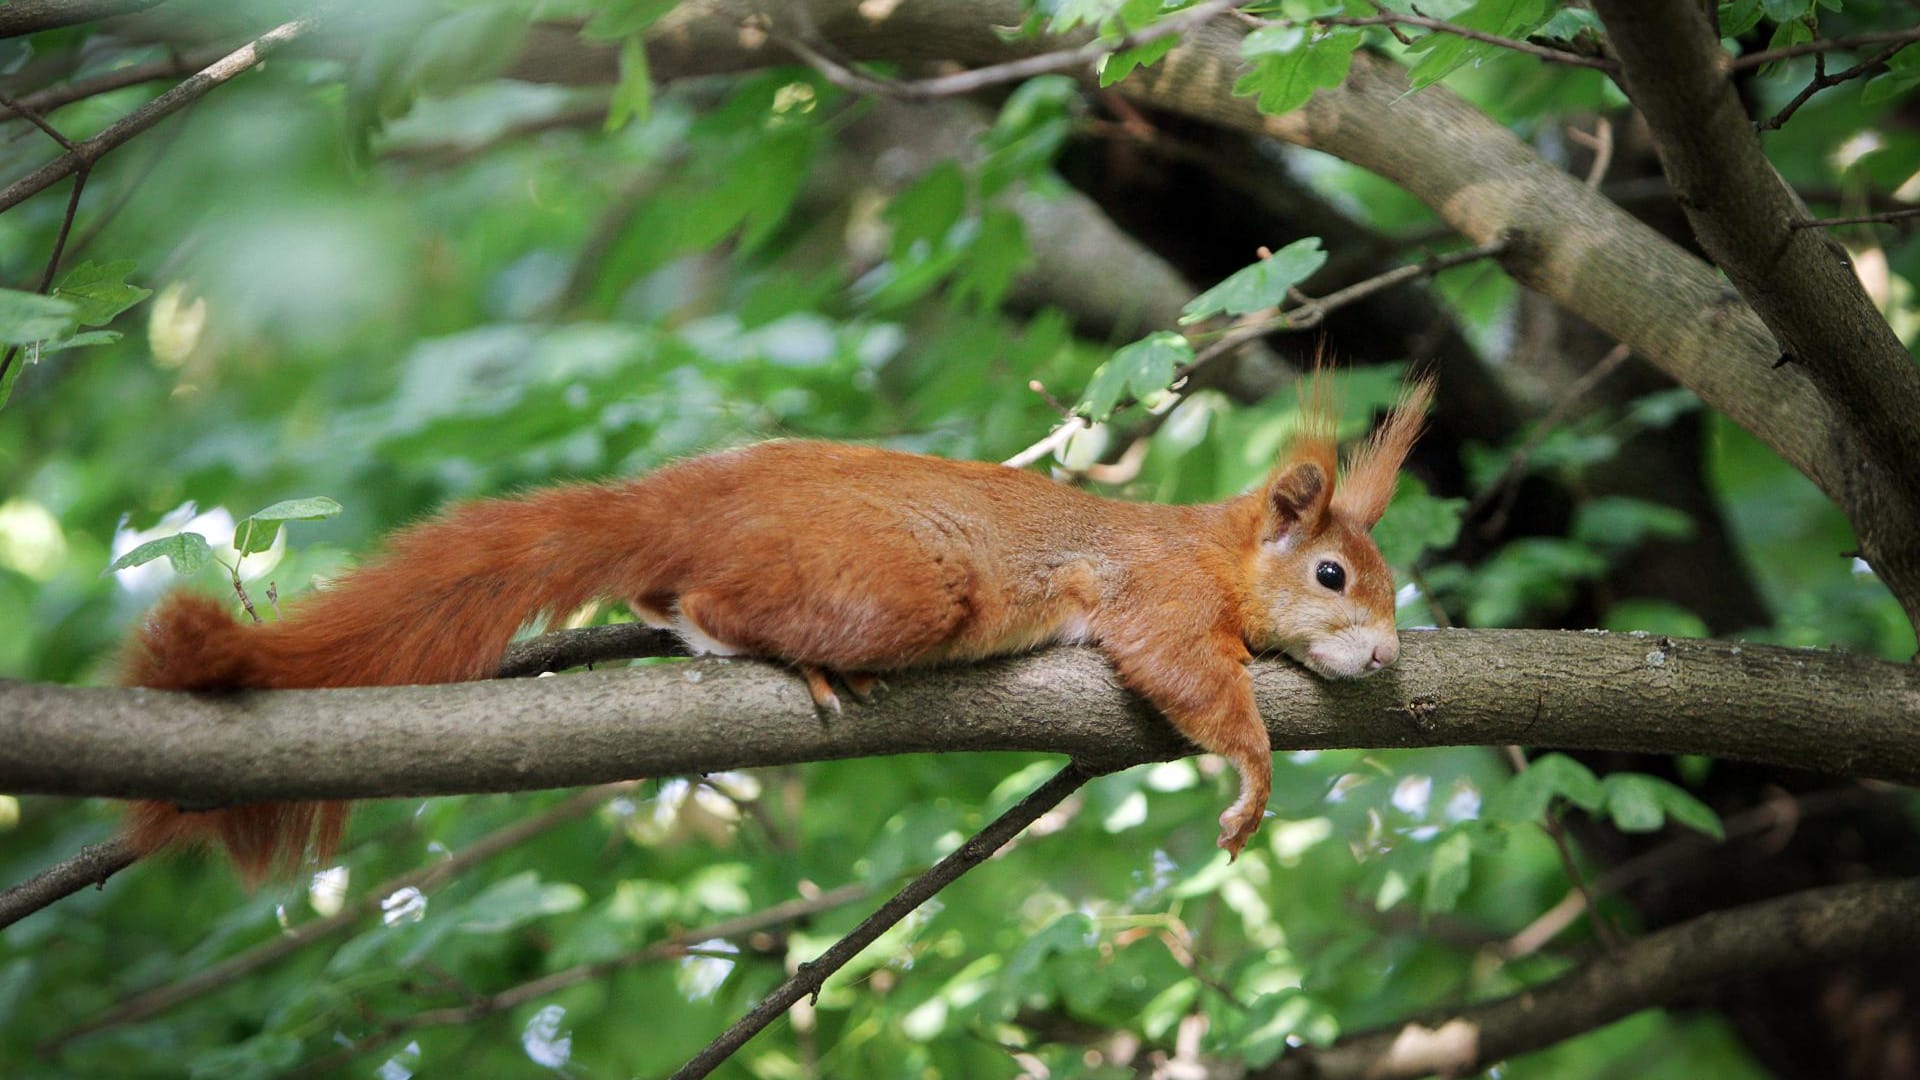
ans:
(1383, 655)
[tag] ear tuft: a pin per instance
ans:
(1373, 469)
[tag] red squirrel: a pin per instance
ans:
(841, 560)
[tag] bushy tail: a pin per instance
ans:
(440, 606)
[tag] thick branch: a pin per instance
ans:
(1813, 927)
(1803, 708)
(1799, 281)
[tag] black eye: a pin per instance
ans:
(1330, 575)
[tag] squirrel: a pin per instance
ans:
(844, 561)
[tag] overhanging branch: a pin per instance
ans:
(1810, 709)
(1799, 281)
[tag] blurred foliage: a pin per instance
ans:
(393, 280)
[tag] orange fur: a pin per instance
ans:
(836, 559)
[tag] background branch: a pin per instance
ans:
(21, 17)
(1799, 281)
(1819, 925)
(85, 153)
(93, 865)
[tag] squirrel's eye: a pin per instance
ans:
(1330, 575)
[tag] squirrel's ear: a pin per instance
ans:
(1297, 497)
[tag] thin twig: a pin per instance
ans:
(1886, 217)
(1786, 810)
(1822, 80)
(161, 998)
(92, 865)
(1517, 464)
(32, 116)
(673, 947)
(105, 215)
(1601, 143)
(53, 97)
(1057, 438)
(53, 260)
(88, 151)
(1441, 26)
(1304, 314)
(966, 82)
(808, 979)
(1825, 45)
(1602, 929)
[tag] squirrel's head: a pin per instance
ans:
(1321, 591)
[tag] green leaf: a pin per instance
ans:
(1526, 795)
(618, 19)
(1638, 803)
(1890, 84)
(927, 210)
(78, 341)
(264, 1055)
(1446, 53)
(516, 901)
(1283, 79)
(29, 317)
(1141, 370)
(1632, 805)
(1260, 286)
(186, 551)
(1416, 522)
(1032, 127)
(1449, 870)
(1620, 522)
(256, 532)
(1119, 65)
(1738, 16)
(633, 95)
(993, 260)
(99, 291)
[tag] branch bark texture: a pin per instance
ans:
(1800, 281)
(1812, 927)
(1808, 709)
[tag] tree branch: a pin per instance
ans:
(161, 998)
(93, 865)
(21, 17)
(813, 974)
(1824, 45)
(676, 945)
(1799, 281)
(1816, 926)
(86, 153)
(1801, 708)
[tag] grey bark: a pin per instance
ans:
(1808, 709)
(1816, 926)
(1799, 280)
